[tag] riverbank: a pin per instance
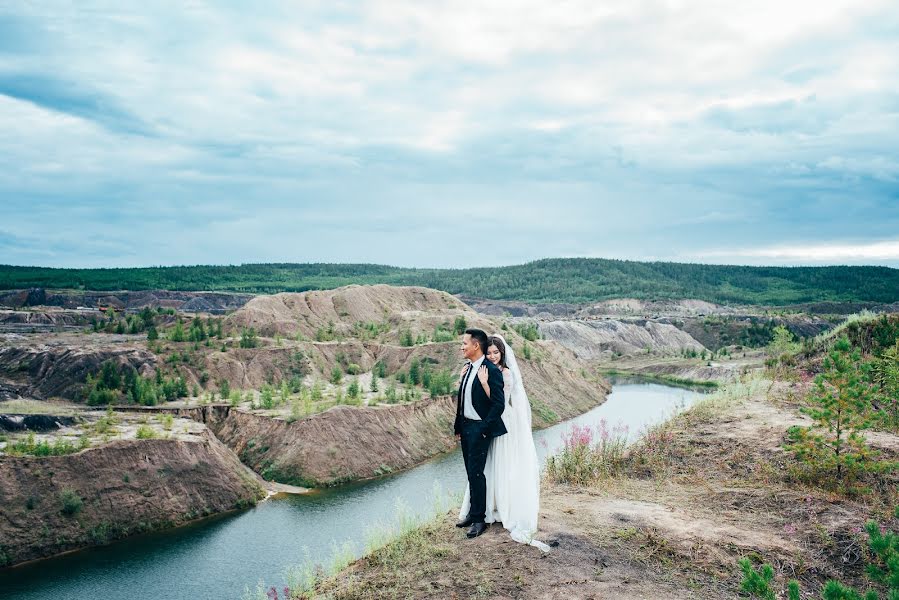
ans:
(712, 487)
(53, 504)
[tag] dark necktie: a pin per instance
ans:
(463, 388)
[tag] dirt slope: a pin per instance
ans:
(58, 365)
(125, 487)
(596, 339)
(346, 443)
(414, 308)
(717, 490)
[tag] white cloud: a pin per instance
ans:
(668, 114)
(861, 252)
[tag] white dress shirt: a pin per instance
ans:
(468, 408)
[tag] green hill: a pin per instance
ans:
(551, 280)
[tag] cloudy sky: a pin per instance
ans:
(421, 133)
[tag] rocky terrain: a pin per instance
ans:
(45, 367)
(598, 339)
(398, 308)
(624, 327)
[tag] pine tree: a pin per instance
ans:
(839, 407)
(177, 334)
(415, 372)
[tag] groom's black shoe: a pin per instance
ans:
(476, 530)
(464, 522)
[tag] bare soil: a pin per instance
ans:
(677, 530)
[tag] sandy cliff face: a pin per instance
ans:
(341, 444)
(595, 339)
(347, 443)
(123, 487)
(414, 308)
(46, 370)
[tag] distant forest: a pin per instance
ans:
(574, 280)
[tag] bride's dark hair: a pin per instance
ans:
(495, 341)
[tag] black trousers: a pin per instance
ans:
(474, 453)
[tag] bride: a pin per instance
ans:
(512, 471)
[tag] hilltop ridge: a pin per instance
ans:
(556, 280)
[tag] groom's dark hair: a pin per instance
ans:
(481, 336)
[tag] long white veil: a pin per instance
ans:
(513, 472)
(524, 475)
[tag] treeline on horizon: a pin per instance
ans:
(570, 280)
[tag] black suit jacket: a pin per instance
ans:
(489, 408)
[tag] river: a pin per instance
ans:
(219, 557)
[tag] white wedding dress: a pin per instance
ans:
(512, 470)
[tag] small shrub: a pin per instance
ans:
(588, 455)
(267, 398)
(528, 331)
(167, 421)
(882, 568)
(248, 338)
(71, 502)
(145, 432)
(459, 326)
(354, 391)
(526, 351)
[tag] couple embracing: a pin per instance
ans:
(493, 420)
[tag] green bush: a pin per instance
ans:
(354, 391)
(145, 432)
(459, 326)
(415, 372)
(71, 502)
(248, 338)
(177, 334)
(28, 446)
(380, 369)
(528, 331)
(267, 397)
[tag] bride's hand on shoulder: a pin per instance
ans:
(464, 371)
(483, 374)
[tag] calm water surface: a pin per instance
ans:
(220, 557)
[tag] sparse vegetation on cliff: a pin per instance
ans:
(121, 383)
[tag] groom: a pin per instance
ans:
(478, 422)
